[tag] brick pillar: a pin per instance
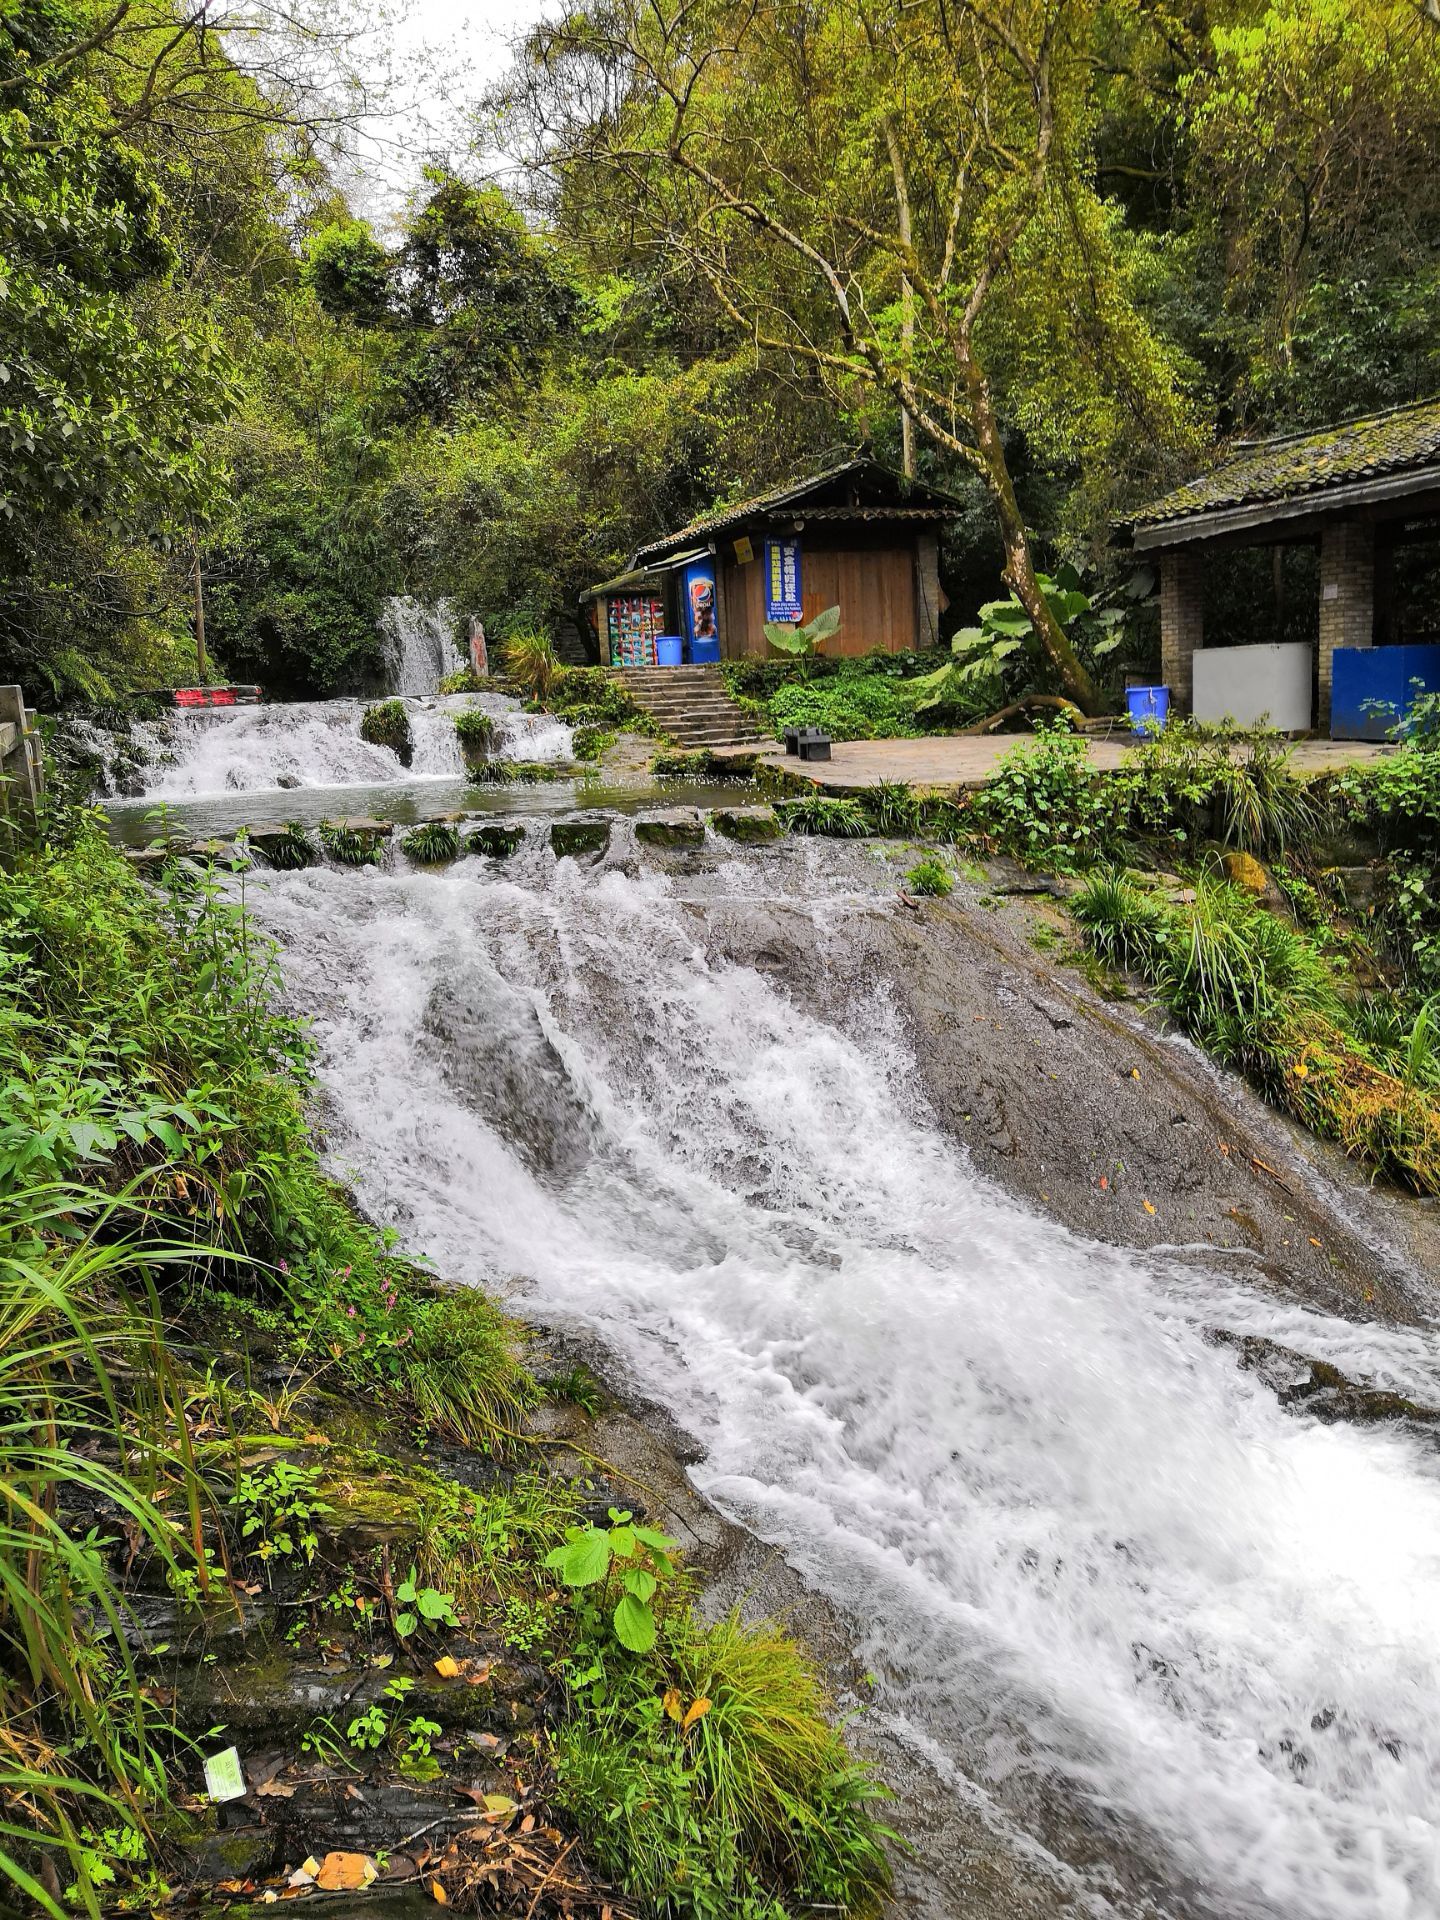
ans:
(929, 604)
(1182, 622)
(1347, 599)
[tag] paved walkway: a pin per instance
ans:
(948, 760)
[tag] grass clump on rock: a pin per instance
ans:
(931, 878)
(1260, 995)
(714, 1781)
(351, 846)
(478, 735)
(387, 724)
(431, 843)
(840, 819)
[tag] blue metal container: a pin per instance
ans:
(1372, 689)
(1149, 709)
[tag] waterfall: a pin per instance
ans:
(419, 643)
(1093, 1564)
(313, 743)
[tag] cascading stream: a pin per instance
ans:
(1087, 1555)
(317, 744)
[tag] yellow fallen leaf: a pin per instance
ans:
(1134, 1073)
(438, 1894)
(674, 1705)
(345, 1872)
(447, 1667)
(1147, 1206)
(697, 1710)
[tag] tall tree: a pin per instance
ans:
(884, 192)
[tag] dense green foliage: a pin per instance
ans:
(155, 1152)
(206, 350)
(1398, 800)
(1264, 996)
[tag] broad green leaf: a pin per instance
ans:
(634, 1624)
(586, 1558)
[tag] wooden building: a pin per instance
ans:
(1364, 495)
(858, 536)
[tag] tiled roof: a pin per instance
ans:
(864, 473)
(1308, 463)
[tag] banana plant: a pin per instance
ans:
(786, 637)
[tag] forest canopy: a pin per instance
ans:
(1046, 254)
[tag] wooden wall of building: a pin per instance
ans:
(874, 588)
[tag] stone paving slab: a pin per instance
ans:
(950, 760)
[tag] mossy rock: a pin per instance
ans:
(750, 825)
(1244, 871)
(576, 838)
(387, 724)
(675, 827)
(497, 840)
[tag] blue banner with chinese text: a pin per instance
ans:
(782, 580)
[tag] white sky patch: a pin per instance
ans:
(442, 55)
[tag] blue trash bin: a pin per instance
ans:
(667, 650)
(1149, 709)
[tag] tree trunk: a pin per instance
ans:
(1019, 561)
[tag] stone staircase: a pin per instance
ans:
(691, 704)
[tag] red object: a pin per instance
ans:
(217, 696)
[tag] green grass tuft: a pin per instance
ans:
(431, 843)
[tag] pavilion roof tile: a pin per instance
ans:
(1299, 464)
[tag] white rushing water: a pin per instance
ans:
(419, 642)
(1083, 1548)
(317, 743)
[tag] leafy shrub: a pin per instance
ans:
(930, 877)
(463, 680)
(1046, 805)
(626, 1562)
(477, 729)
(589, 696)
(590, 743)
(1193, 782)
(432, 842)
(388, 725)
(847, 706)
(1398, 800)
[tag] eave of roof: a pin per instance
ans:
(930, 500)
(1381, 456)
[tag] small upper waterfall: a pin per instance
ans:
(420, 646)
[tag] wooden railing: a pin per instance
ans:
(22, 765)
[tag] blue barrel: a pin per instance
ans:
(668, 648)
(1149, 709)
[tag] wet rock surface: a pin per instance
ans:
(581, 836)
(671, 827)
